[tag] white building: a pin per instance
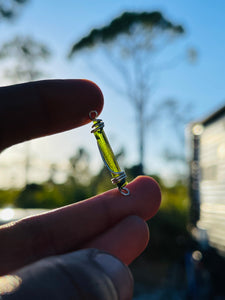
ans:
(207, 180)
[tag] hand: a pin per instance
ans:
(109, 222)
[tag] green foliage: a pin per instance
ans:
(168, 235)
(168, 229)
(175, 197)
(73, 191)
(39, 196)
(7, 197)
(49, 195)
(123, 25)
(101, 182)
(133, 171)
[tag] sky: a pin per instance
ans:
(61, 23)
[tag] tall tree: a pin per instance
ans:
(131, 42)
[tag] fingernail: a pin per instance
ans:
(118, 273)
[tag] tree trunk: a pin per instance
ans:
(141, 134)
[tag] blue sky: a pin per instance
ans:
(60, 23)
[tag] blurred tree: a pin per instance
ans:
(79, 166)
(28, 196)
(10, 8)
(7, 197)
(40, 196)
(180, 115)
(169, 226)
(23, 56)
(52, 173)
(76, 186)
(131, 42)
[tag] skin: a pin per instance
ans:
(109, 222)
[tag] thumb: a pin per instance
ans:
(85, 274)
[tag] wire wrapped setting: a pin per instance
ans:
(119, 177)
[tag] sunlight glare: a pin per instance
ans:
(7, 214)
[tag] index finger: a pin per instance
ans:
(41, 108)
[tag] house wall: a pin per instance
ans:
(212, 182)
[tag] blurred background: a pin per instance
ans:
(160, 66)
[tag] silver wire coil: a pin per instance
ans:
(99, 125)
(118, 179)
